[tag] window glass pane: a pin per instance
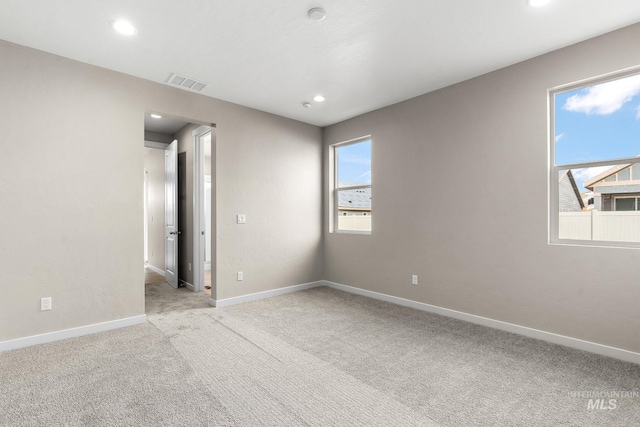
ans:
(354, 164)
(599, 122)
(611, 178)
(624, 175)
(354, 210)
(626, 204)
(635, 172)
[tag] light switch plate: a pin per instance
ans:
(242, 219)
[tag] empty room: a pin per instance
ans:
(363, 213)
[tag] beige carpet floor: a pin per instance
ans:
(449, 371)
(128, 377)
(319, 357)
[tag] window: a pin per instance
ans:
(624, 175)
(595, 162)
(351, 186)
(627, 203)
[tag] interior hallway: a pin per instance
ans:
(160, 297)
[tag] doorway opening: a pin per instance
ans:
(204, 208)
(179, 210)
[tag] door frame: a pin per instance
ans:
(156, 146)
(172, 231)
(199, 219)
(146, 219)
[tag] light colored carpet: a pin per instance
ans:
(162, 298)
(262, 380)
(127, 377)
(453, 372)
(319, 357)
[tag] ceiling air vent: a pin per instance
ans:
(186, 83)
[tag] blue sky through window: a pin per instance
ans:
(354, 164)
(596, 123)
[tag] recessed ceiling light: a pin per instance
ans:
(156, 116)
(317, 14)
(124, 27)
(318, 98)
(306, 105)
(538, 3)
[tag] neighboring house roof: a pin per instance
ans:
(618, 189)
(604, 175)
(355, 199)
(567, 197)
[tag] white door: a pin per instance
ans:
(171, 232)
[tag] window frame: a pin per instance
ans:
(636, 204)
(554, 170)
(334, 205)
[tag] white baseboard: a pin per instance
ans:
(71, 333)
(155, 269)
(579, 344)
(265, 294)
(604, 350)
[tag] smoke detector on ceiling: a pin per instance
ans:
(317, 14)
(186, 83)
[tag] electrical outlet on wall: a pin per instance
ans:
(240, 275)
(414, 279)
(45, 304)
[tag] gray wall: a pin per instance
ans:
(154, 165)
(72, 228)
(480, 247)
(71, 188)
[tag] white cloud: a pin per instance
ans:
(586, 174)
(559, 137)
(605, 98)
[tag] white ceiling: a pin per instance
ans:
(165, 124)
(268, 55)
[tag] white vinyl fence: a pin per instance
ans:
(594, 225)
(597, 225)
(354, 222)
